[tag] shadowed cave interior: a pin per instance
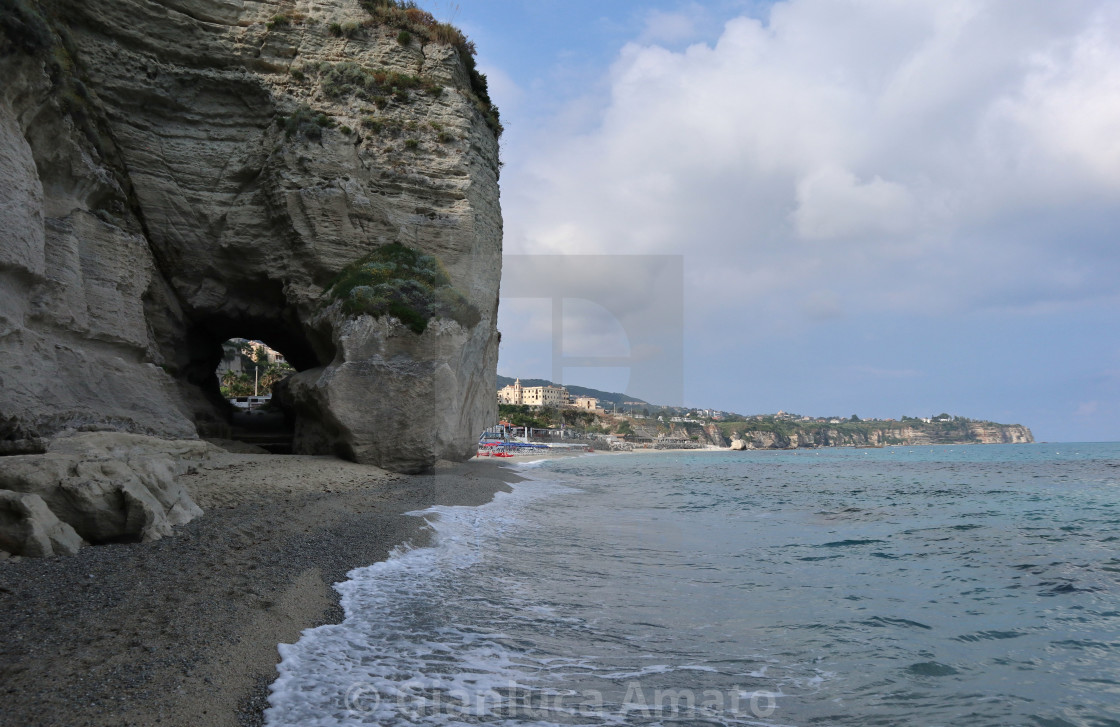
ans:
(270, 426)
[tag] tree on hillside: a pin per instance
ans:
(274, 373)
(578, 419)
(520, 415)
(235, 384)
(243, 384)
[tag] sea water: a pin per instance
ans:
(902, 586)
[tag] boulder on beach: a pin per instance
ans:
(28, 527)
(104, 487)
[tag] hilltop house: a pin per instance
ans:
(587, 403)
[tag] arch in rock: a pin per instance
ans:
(153, 215)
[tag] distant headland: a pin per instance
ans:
(551, 410)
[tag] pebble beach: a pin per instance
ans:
(184, 630)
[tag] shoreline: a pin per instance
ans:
(184, 630)
(539, 454)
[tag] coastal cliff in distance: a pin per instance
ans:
(177, 173)
(793, 435)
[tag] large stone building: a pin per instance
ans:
(542, 396)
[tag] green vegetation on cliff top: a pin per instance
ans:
(405, 15)
(521, 415)
(952, 431)
(405, 283)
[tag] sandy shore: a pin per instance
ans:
(183, 631)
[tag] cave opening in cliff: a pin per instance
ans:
(250, 376)
(239, 365)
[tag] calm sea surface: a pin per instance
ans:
(904, 586)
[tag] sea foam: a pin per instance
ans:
(400, 654)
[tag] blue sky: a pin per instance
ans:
(883, 208)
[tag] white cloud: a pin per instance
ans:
(832, 203)
(1069, 104)
(953, 154)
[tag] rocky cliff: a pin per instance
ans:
(869, 434)
(176, 173)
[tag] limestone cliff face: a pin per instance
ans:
(964, 433)
(715, 436)
(988, 433)
(176, 173)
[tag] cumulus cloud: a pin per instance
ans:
(832, 203)
(1069, 103)
(929, 155)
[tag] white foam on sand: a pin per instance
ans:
(402, 655)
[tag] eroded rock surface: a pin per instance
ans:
(176, 173)
(28, 527)
(108, 486)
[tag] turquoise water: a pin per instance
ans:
(903, 586)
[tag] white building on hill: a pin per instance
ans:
(542, 396)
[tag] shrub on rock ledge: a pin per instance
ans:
(407, 16)
(305, 123)
(352, 79)
(405, 283)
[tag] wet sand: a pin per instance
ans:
(184, 631)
